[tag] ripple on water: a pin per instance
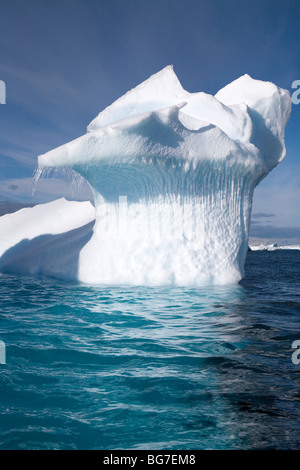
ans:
(152, 368)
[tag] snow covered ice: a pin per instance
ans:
(172, 174)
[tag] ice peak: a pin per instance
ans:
(160, 90)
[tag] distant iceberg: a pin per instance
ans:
(173, 175)
(273, 247)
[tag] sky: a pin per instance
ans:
(63, 61)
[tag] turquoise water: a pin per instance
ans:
(152, 368)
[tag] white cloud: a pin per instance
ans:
(47, 189)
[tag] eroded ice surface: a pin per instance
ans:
(46, 239)
(173, 175)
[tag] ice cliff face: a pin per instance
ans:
(173, 175)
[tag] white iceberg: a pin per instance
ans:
(273, 247)
(173, 175)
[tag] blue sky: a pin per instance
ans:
(65, 60)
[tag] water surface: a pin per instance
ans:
(152, 368)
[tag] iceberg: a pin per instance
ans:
(46, 239)
(273, 247)
(172, 175)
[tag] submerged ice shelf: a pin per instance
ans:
(173, 174)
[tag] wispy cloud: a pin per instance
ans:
(271, 232)
(260, 215)
(47, 189)
(278, 196)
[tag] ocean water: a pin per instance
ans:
(152, 368)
